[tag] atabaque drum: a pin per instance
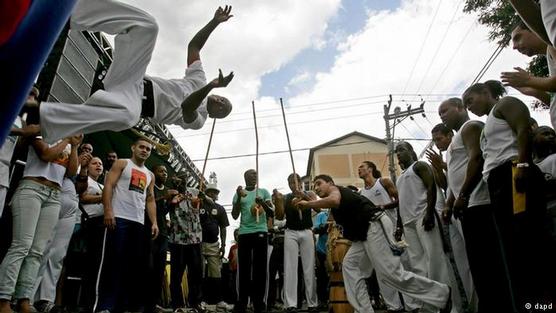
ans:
(337, 301)
(338, 246)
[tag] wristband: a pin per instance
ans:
(522, 165)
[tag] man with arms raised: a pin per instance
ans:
(128, 94)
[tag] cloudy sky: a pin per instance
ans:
(333, 62)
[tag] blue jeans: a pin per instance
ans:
(35, 209)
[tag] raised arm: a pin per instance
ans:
(438, 167)
(190, 105)
(73, 164)
(523, 79)
(236, 205)
(46, 153)
(199, 40)
(331, 201)
(278, 199)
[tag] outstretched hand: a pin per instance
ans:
(222, 81)
(222, 15)
(519, 78)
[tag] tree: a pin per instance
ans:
(497, 15)
(501, 19)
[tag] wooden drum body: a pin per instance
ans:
(338, 247)
(337, 300)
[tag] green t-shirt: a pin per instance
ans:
(248, 223)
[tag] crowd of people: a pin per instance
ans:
(469, 229)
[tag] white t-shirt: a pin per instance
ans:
(53, 171)
(6, 152)
(170, 93)
(379, 196)
(130, 192)
(94, 188)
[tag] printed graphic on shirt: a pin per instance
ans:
(138, 181)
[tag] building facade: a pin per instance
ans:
(341, 157)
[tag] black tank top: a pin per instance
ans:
(354, 214)
(292, 216)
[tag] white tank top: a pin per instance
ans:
(53, 171)
(456, 158)
(130, 193)
(412, 195)
(498, 142)
(94, 188)
(377, 194)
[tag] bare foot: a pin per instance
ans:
(24, 306)
(5, 306)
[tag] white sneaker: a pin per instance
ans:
(224, 307)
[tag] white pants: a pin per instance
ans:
(296, 242)
(51, 265)
(390, 295)
(462, 263)
(375, 253)
(427, 257)
(3, 193)
(118, 107)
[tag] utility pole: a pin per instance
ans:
(398, 116)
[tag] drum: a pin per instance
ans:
(338, 302)
(338, 246)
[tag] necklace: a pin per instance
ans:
(159, 188)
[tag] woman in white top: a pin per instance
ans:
(35, 209)
(93, 229)
(506, 146)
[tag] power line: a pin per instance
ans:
(488, 63)
(422, 47)
(306, 111)
(330, 102)
(456, 51)
(317, 103)
(236, 156)
(439, 46)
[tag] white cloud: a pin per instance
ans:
(300, 78)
